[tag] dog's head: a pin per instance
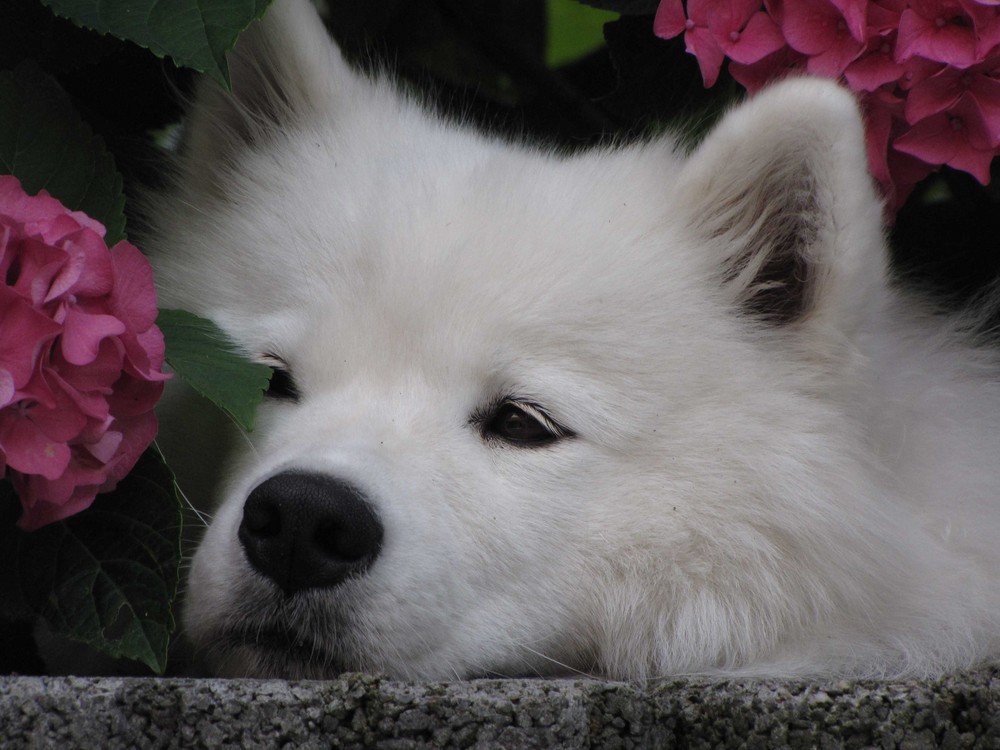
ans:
(531, 412)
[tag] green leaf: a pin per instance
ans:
(45, 144)
(194, 33)
(208, 360)
(574, 31)
(106, 577)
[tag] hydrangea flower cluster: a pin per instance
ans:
(927, 72)
(80, 356)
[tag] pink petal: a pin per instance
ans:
(104, 450)
(133, 299)
(88, 272)
(854, 12)
(833, 61)
(132, 396)
(61, 421)
(957, 138)
(812, 26)
(723, 17)
(757, 75)
(84, 332)
(775, 9)
(93, 431)
(9, 245)
(24, 334)
(742, 10)
(137, 435)
(759, 38)
(71, 222)
(987, 36)
(906, 171)
(10, 190)
(28, 449)
(669, 19)
(931, 140)
(145, 354)
(933, 95)
(42, 215)
(97, 376)
(917, 69)
(986, 92)
(883, 17)
(701, 11)
(38, 390)
(46, 501)
(975, 162)
(39, 266)
(875, 68)
(90, 405)
(6, 389)
(935, 40)
(700, 43)
(973, 125)
(134, 302)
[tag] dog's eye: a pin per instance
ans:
(522, 424)
(281, 386)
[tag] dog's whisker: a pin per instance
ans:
(562, 665)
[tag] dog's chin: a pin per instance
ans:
(270, 653)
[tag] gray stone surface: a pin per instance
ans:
(959, 711)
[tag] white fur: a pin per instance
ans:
(817, 494)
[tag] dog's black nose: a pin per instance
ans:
(308, 531)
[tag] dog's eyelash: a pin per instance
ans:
(488, 419)
(282, 385)
(536, 412)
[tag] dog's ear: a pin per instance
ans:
(286, 70)
(780, 191)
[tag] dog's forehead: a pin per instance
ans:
(418, 217)
(507, 247)
(410, 234)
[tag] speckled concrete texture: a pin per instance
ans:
(355, 711)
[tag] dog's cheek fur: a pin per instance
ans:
(478, 570)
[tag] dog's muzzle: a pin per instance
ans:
(306, 531)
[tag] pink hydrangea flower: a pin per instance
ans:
(957, 137)
(940, 92)
(877, 64)
(716, 29)
(755, 76)
(927, 72)
(80, 356)
(956, 32)
(831, 38)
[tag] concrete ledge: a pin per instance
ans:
(959, 711)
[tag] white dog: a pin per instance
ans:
(631, 412)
